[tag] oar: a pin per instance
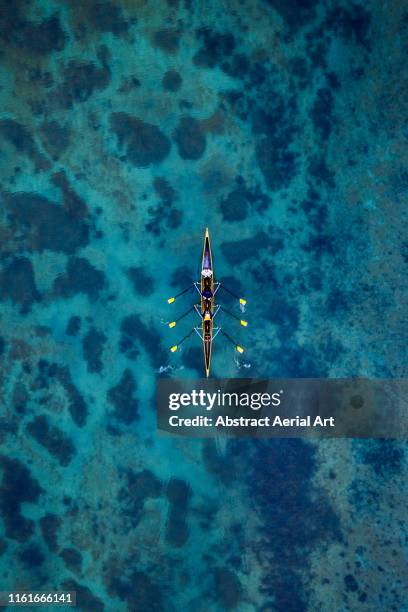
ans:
(237, 346)
(174, 323)
(177, 346)
(173, 299)
(231, 314)
(242, 301)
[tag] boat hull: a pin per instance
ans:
(207, 301)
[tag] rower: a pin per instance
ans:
(207, 293)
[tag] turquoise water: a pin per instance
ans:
(126, 129)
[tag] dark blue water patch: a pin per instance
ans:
(3, 546)
(286, 592)
(144, 144)
(17, 283)
(142, 283)
(107, 17)
(233, 284)
(49, 526)
(227, 588)
(171, 80)
(72, 559)
(164, 190)
(350, 583)
(53, 439)
(241, 201)
(277, 164)
(215, 463)
(178, 493)
(322, 112)
(165, 215)
(216, 47)
(319, 172)
(364, 496)
(136, 588)
(85, 599)
(138, 487)
(320, 244)
(73, 325)
(34, 219)
(237, 66)
(385, 457)
(76, 404)
(55, 137)
(37, 38)
(134, 331)
(329, 350)
(295, 13)
(32, 556)
(236, 252)
(315, 211)
(80, 277)
(283, 313)
(181, 278)
(18, 486)
(190, 138)
(293, 361)
(121, 396)
(280, 484)
(192, 356)
(2, 346)
(265, 274)
(7, 427)
(167, 40)
(338, 300)
(74, 205)
(404, 252)
(351, 23)
(80, 79)
(92, 346)
(274, 117)
(18, 135)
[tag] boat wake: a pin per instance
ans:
(240, 364)
(168, 368)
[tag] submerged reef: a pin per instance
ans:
(126, 129)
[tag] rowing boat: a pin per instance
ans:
(207, 301)
(207, 287)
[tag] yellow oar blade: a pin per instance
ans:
(244, 323)
(173, 324)
(242, 301)
(174, 348)
(171, 300)
(239, 349)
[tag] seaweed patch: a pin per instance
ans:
(53, 439)
(50, 525)
(19, 136)
(80, 79)
(178, 493)
(92, 347)
(80, 277)
(34, 218)
(40, 38)
(85, 598)
(145, 144)
(172, 80)
(17, 283)
(190, 138)
(139, 487)
(121, 396)
(18, 487)
(141, 282)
